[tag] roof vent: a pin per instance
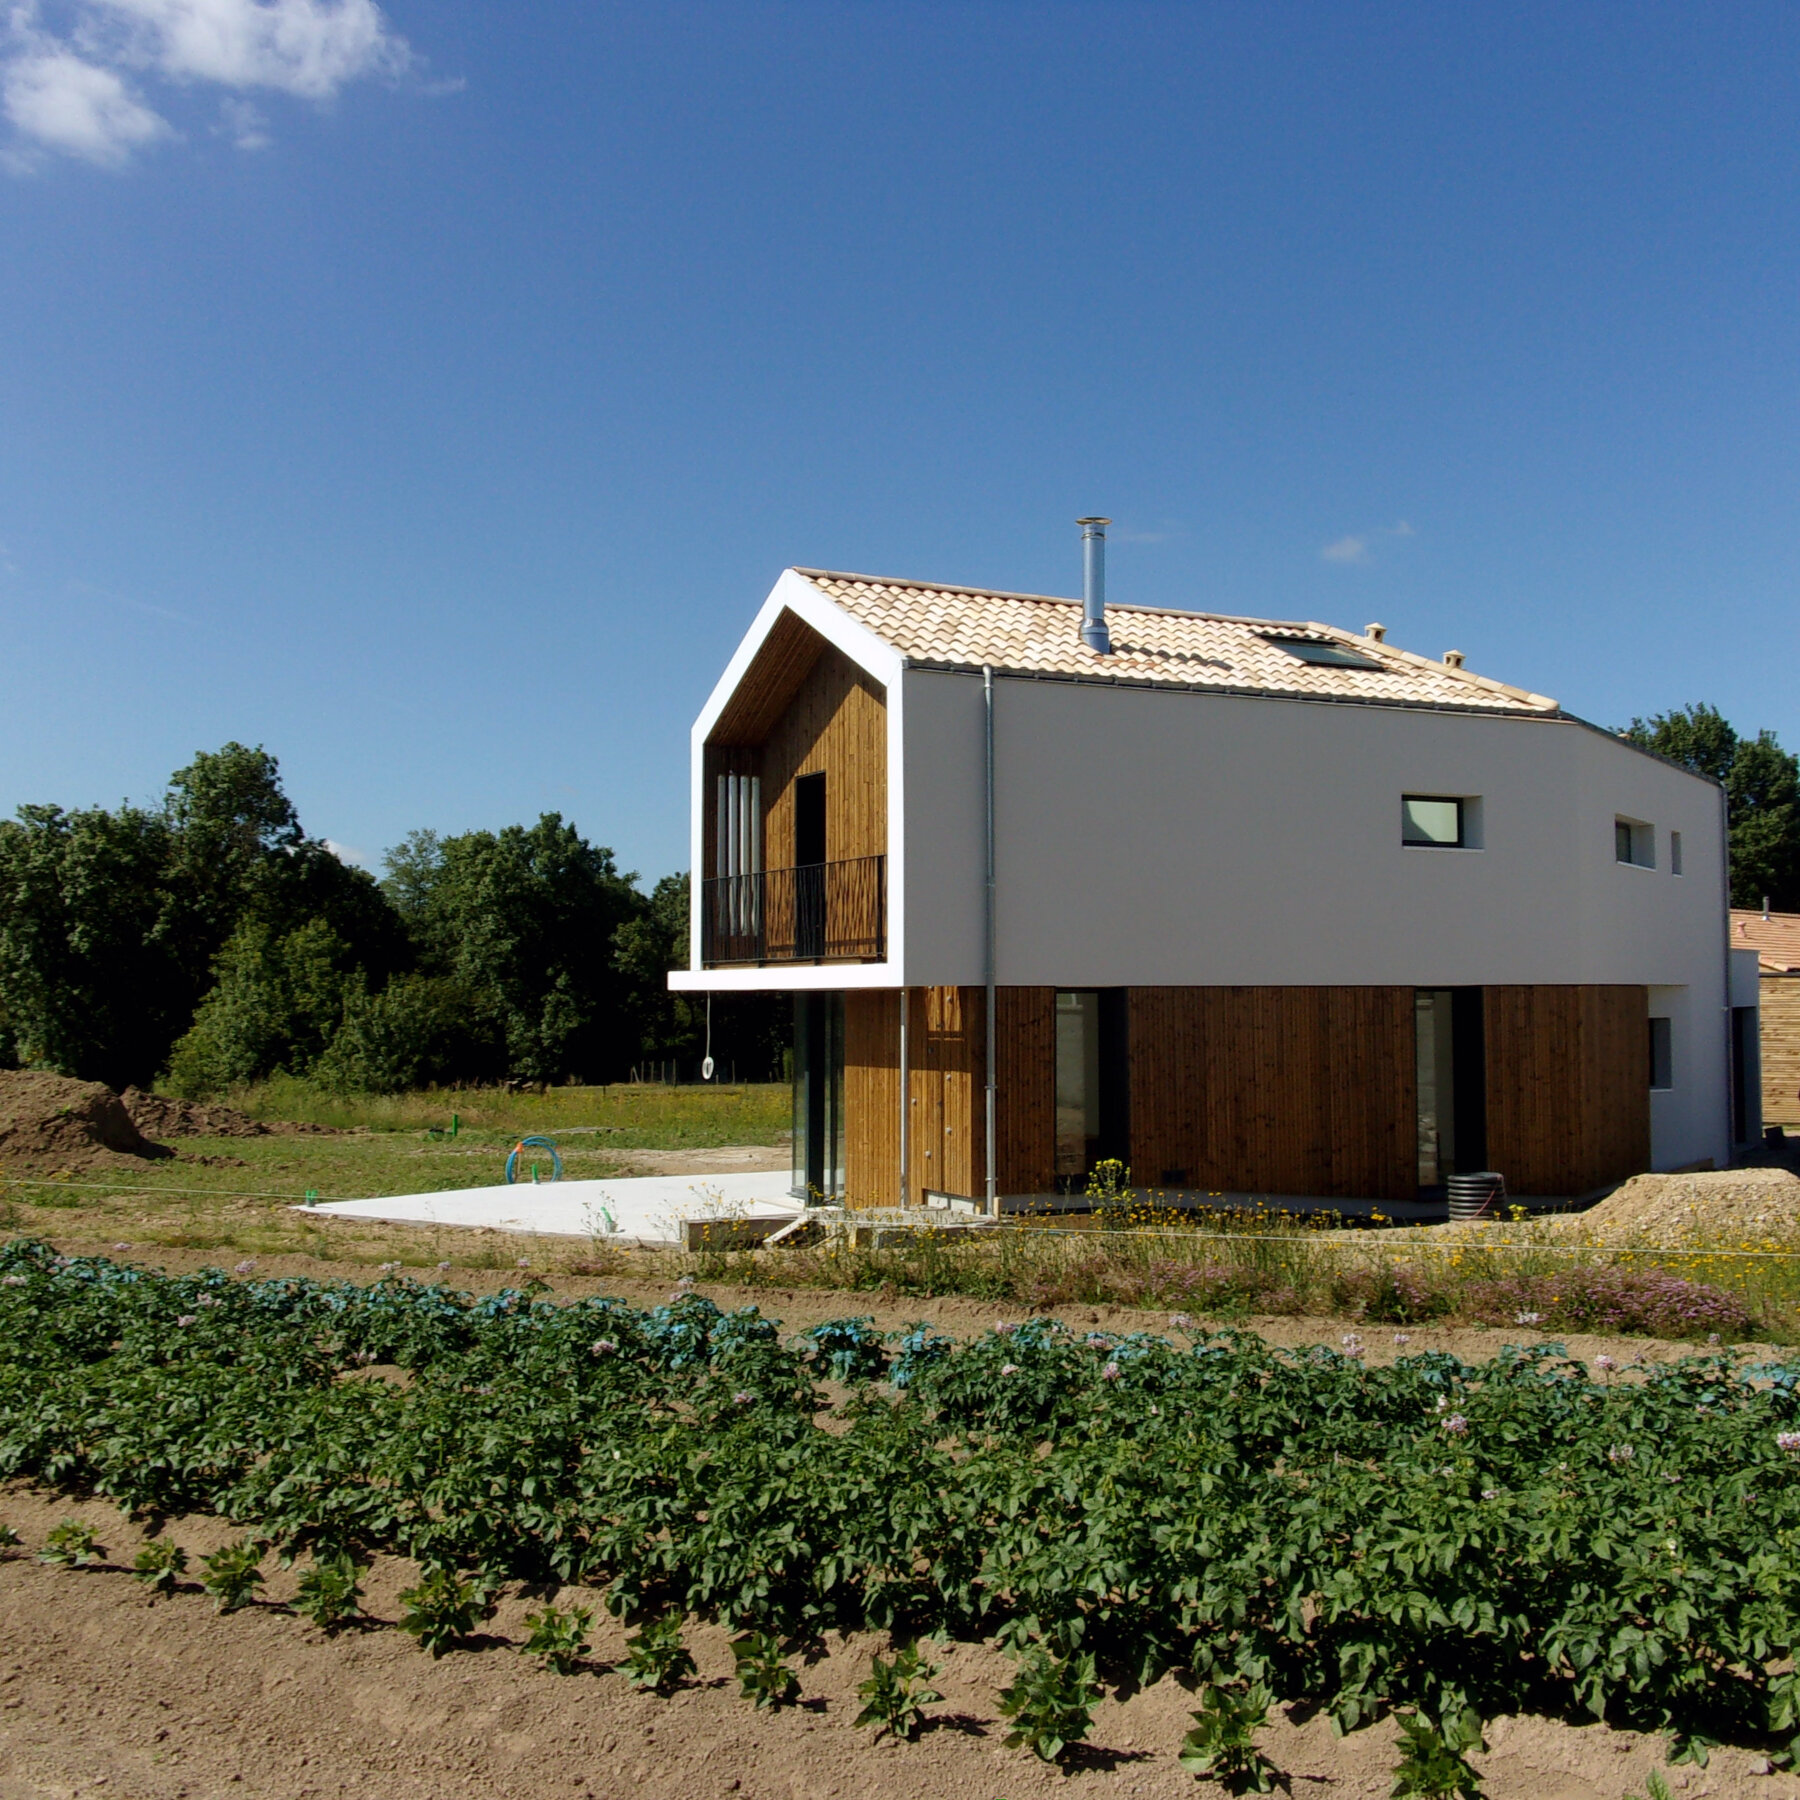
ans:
(1377, 632)
(1093, 586)
(1453, 658)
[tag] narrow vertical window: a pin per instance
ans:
(1674, 852)
(1662, 1054)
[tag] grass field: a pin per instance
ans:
(238, 1195)
(235, 1193)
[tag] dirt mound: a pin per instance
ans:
(1729, 1205)
(50, 1123)
(163, 1116)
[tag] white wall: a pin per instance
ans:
(1167, 838)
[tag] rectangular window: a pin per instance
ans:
(1077, 1084)
(1634, 842)
(1674, 852)
(1662, 1055)
(1431, 821)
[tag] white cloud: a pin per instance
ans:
(56, 101)
(1357, 547)
(346, 853)
(305, 47)
(71, 90)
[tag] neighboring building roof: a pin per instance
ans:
(1037, 634)
(1775, 937)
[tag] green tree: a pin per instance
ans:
(523, 921)
(1762, 796)
(276, 1004)
(91, 979)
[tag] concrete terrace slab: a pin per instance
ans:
(647, 1209)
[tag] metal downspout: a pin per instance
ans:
(1730, 1058)
(905, 1110)
(993, 1183)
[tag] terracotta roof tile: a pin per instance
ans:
(958, 627)
(1776, 939)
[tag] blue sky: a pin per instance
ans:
(433, 394)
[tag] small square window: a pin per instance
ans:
(1634, 842)
(1662, 1055)
(1431, 821)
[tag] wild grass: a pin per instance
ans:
(626, 1116)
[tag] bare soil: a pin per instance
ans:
(1722, 1207)
(49, 1123)
(104, 1691)
(107, 1691)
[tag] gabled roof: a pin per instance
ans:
(1038, 634)
(1775, 937)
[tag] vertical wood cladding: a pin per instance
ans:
(1275, 1090)
(1779, 1048)
(803, 708)
(947, 1081)
(1025, 1090)
(1568, 1086)
(1251, 1090)
(872, 1097)
(835, 725)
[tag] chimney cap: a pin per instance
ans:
(1377, 632)
(1093, 521)
(1453, 658)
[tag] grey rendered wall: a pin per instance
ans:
(1160, 838)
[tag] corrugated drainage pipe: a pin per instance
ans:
(1478, 1196)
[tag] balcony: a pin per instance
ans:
(818, 913)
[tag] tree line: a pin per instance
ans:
(1762, 796)
(209, 942)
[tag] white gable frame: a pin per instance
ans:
(794, 593)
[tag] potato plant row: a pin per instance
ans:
(1521, 1535)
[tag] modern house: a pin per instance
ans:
(1252, 906)
(1773, 938)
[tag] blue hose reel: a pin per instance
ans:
(533, 1143)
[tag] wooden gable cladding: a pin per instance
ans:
(1568, 1091)
(803, 708)
(1274, 1090)
(780, 665)
(835, 724)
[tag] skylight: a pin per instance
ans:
(1326, 655)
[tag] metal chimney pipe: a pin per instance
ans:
(1093, 586)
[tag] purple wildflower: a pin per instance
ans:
(1009, 1368)
(1605, 1362)
(604, 1347)
(188, 1319)
(1787, 1440)
(1620, 1453)
(1456, 1425)
(1527, 1318)
(1402, 1337)
(742, 1397)
(1110, 1372)
(245, 1266)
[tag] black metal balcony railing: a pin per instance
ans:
(820, 912)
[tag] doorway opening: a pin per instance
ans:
(1451, 1061)
(809, 866)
